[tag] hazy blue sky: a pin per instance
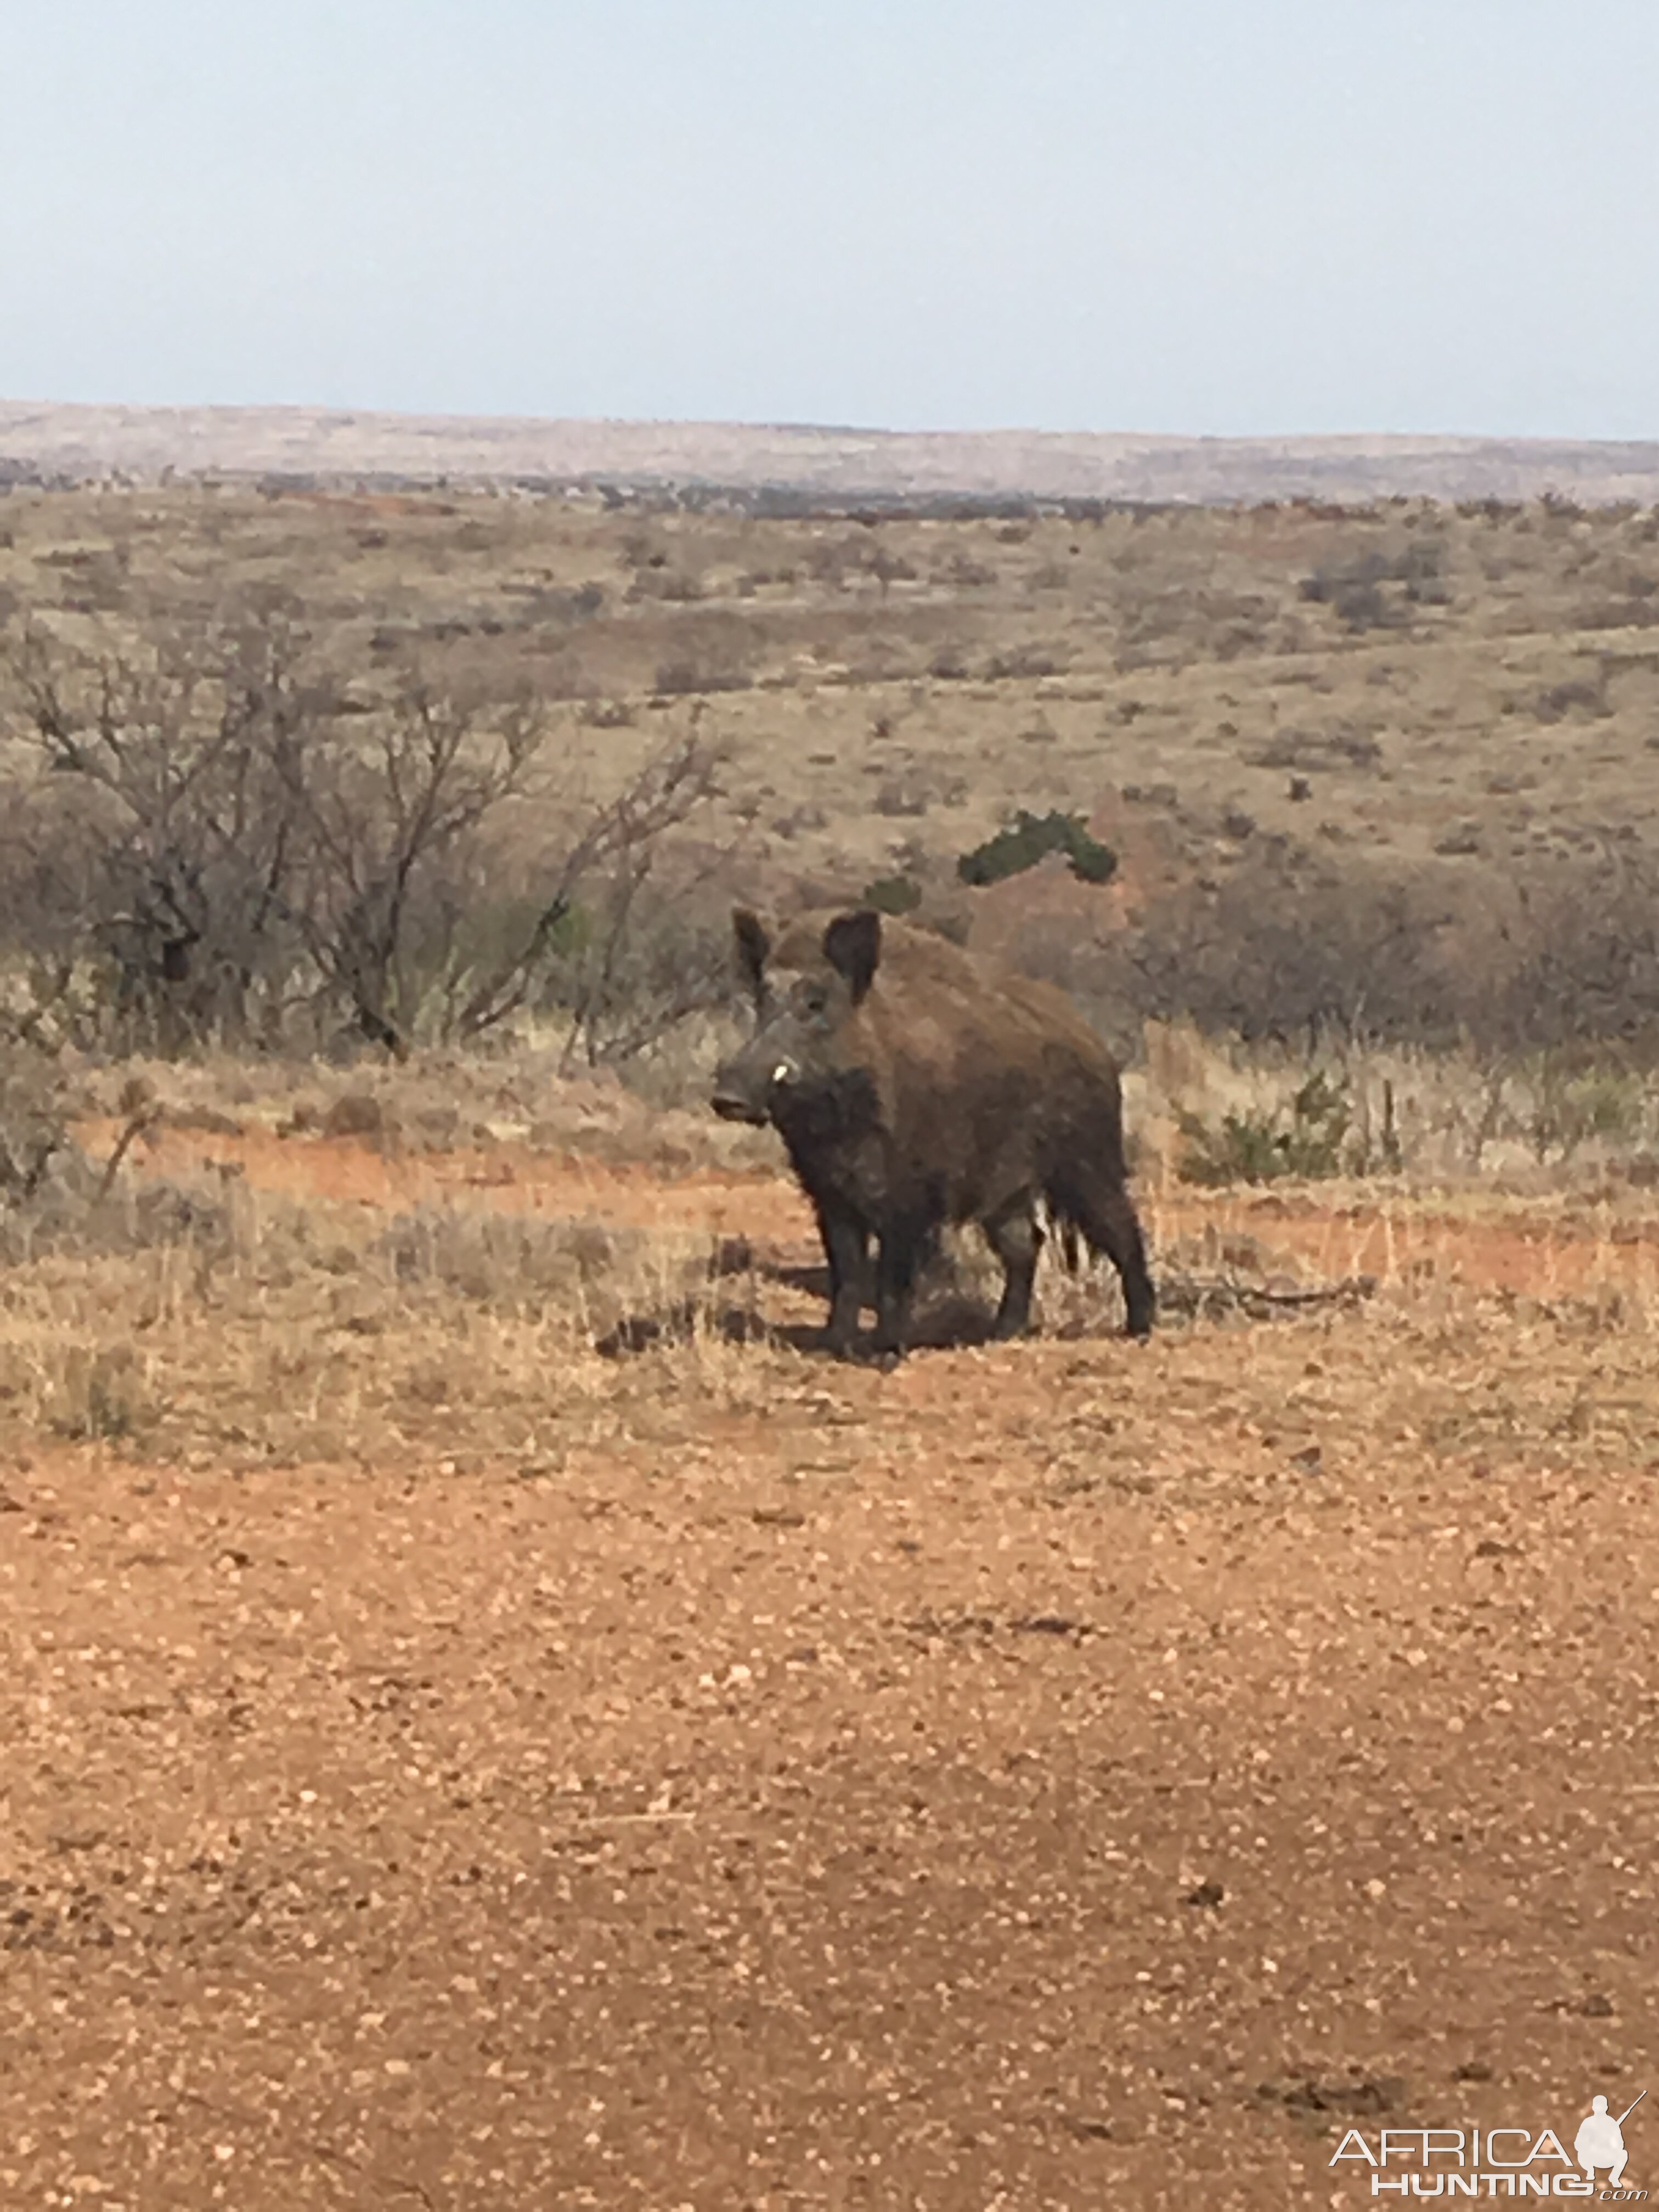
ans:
(1222, 215)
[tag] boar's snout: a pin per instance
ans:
(731, 1107)
(746, 1089)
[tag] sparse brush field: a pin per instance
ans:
(493, 1718)
(1489, 678)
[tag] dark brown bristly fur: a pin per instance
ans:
(915, 1085)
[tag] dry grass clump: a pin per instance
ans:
(187, 1315)
(72, 1212)
(33, 1128)
(1528, 1123)
(55, 1198)
(503, 1257)
(595, 1276)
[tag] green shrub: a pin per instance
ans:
(1030, 838)
(1304, 1139)
(892, 895)
(1573, 1104)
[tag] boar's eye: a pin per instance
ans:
(814, 998)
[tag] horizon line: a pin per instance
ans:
(354, 413)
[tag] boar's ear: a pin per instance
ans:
(852, 945)
(753, 945)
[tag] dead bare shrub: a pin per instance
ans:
(222, 841)
(34, 1128)
(648, 950)
(1281, 948)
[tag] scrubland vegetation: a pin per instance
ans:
(414, 820)
(492, 1715)
(302, 773)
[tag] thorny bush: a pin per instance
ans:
(216, 837)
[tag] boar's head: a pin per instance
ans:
(802, 1063)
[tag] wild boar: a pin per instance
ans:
(914, 1086)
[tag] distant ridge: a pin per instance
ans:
(48, 443)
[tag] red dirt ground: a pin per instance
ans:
(1053, 1776)
(510, 1177)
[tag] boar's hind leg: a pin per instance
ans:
(1016, 1239)
(1102, 1210)
(847, 1248)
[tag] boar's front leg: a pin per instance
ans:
(846, 1248)
(897, 1259)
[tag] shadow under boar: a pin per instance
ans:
(916, 1085)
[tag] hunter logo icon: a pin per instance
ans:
(1600, 2140)
(1501, 2161)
